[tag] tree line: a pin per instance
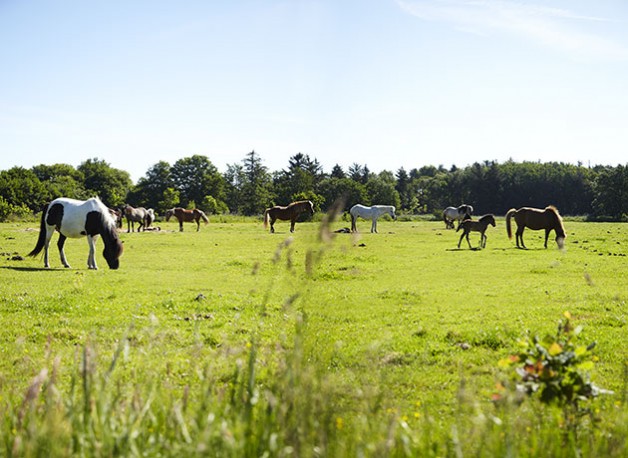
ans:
(248, 187)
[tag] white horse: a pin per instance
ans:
(451, 214)
(74, 219)
(371, 213)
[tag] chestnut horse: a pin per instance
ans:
(291, 212)
(75, 219)
(184, 215)
(469, 225)
(536, 219)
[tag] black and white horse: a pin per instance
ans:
(78, 218)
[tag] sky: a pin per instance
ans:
(382, 83)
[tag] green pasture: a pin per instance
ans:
(396, 328)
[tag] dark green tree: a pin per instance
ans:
(234, 180)
(337, 172)
(20, 187)
(301, 178)
(196, 177)
(381, 190)
(611, 193)
(106, 182)
(150, 190)
(61, 180)
(256, 188)
(350, 191)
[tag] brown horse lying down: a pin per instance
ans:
(469, 225)
(187, 215)
(291, 212)
(536, 219)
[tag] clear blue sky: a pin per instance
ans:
(385, 83)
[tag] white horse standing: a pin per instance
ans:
(371, 213)
(451, 214)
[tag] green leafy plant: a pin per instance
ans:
(557, 368)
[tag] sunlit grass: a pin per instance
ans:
(235, 342)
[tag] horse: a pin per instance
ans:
(373, 213)
(290, 212)
(136, 215)
(78, 218)
(117, 217)
(187, 215)
(451, 214)
(150, 218)
(536, 219)
(469, 225)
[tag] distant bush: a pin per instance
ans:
(9, 211)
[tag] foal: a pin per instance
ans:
(469, 225)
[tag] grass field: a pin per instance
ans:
(235, 342)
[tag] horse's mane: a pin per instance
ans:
(559, 219)
(300, 202)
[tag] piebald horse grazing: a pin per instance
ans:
(469, 225)
(136, 215)
(536, 219)
(371, 213)
(451, 214)
(290, 212)
(78, 218)
(184, 215)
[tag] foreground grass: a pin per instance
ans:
(235, 342)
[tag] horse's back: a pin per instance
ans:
(73, 214)
(359, 209)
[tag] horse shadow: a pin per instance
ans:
(31, 269)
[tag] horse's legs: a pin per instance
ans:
(128, 225)
(483, 240)
(354, 227)
(91, 258)
(374, 226)
(272, 225)
(519, 236)
(468, 241)
(49, 233)
(547, 232)
(60, 244)
(198, 224)
(292, 221)
(181, 225)
(460, 241)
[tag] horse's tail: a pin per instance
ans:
(266, 218)
(41, 240)
(509, 215)
(204, 216)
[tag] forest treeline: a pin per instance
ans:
(248, 187)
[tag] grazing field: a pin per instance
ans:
(235, 342)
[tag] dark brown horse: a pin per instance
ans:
(536, 219)
(184, 215)
(469, 225)
(291, 212)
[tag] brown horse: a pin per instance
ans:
(469, 225)
(536, 219)
(187, 215)
(291, 212)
